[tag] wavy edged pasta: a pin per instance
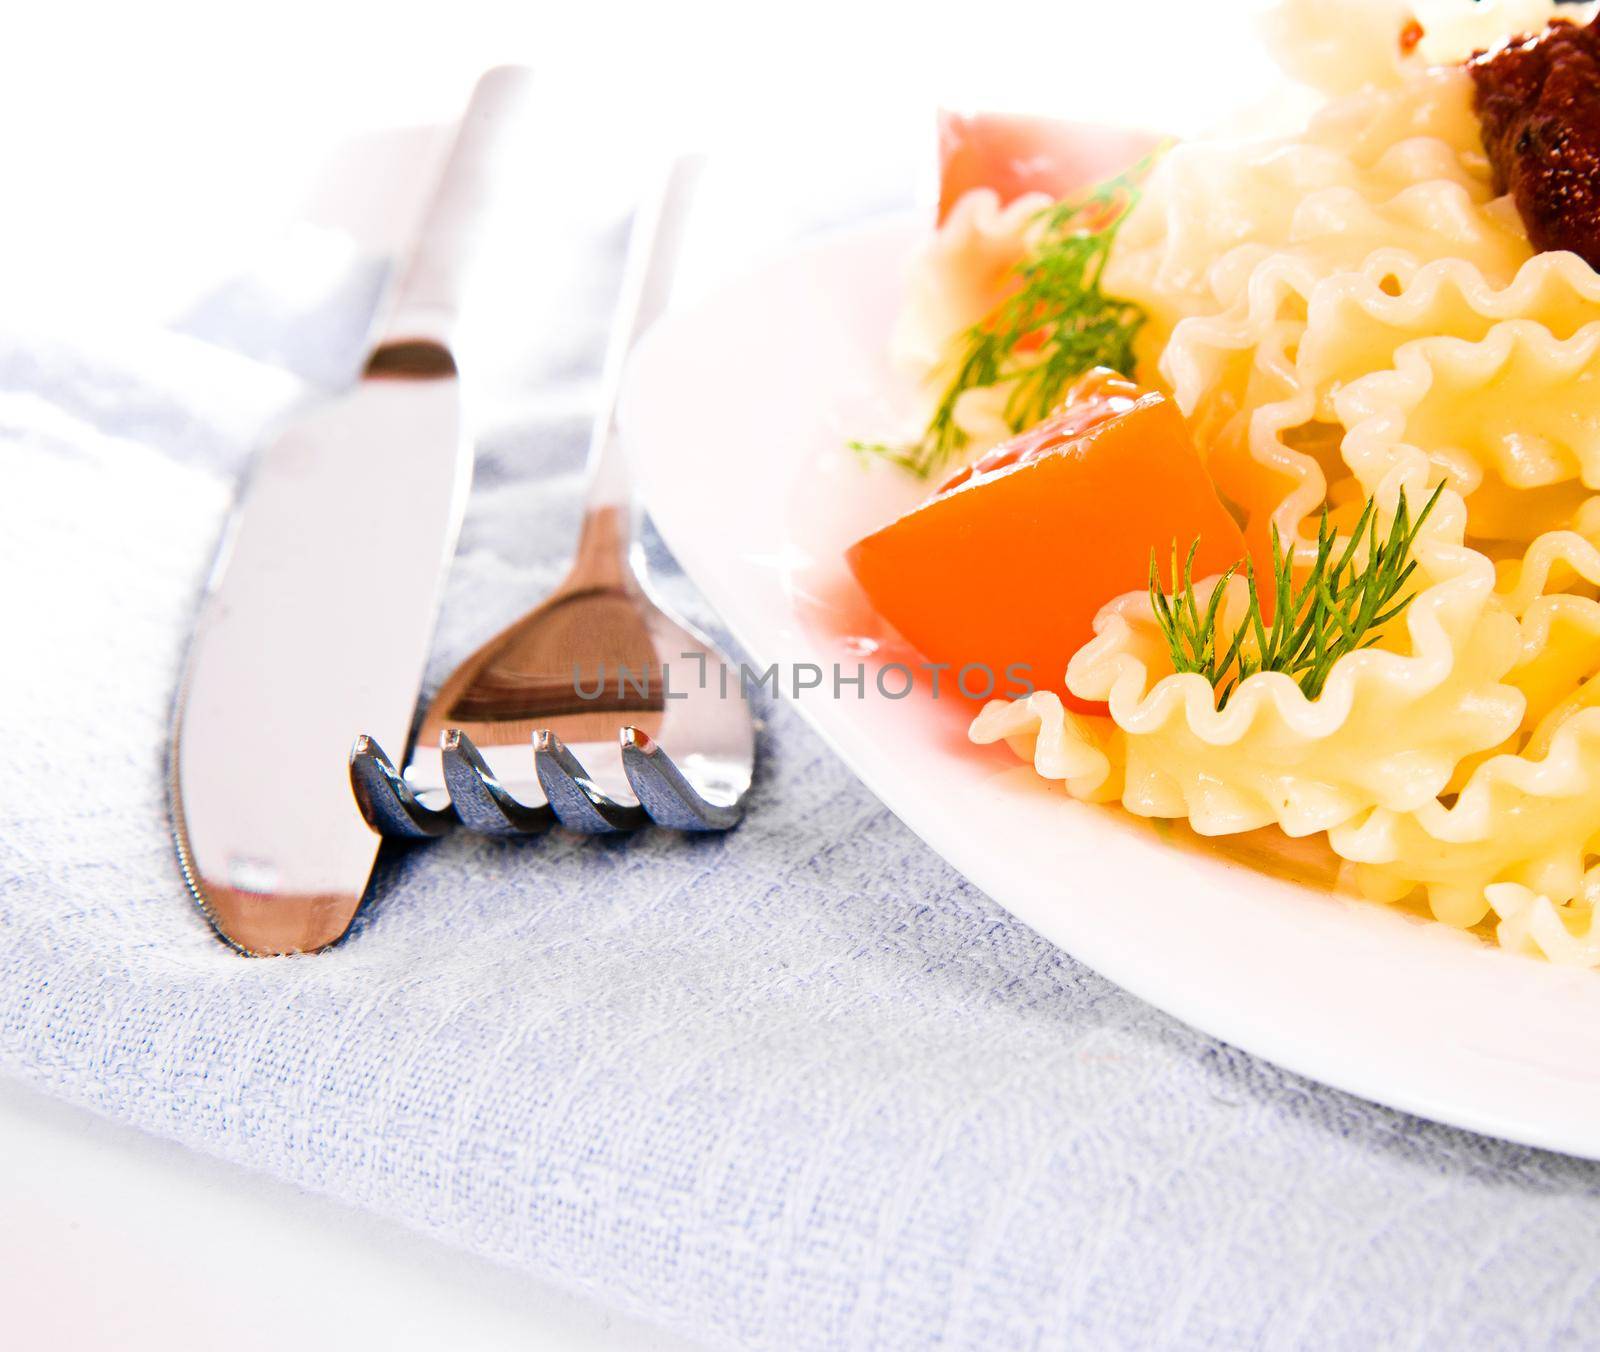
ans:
(957, 277)
(1339, 314)
(1528, 816)
(1552, 563)
(1341, 47)
(1266, 390)
(1356, 321)
(1532, 924)
(1533, 820)
(1453, 29)
(1272, 756)
(1510, 420)
(1083, 752)
(1264, 265)
(1400, 168)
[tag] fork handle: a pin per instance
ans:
(425, 302)
(654, 244)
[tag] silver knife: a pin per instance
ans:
(319, 612)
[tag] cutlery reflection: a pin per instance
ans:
(633, 717)
(296, 647)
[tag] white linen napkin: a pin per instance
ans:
(796, 1087)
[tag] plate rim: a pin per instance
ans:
(1237, 1026)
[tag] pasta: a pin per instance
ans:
(1084, 753)
(1532, 924)
(1342, 315)
(953, 282)
(1452, 31)
(1274, 757)
(1252, 302)
(1530, 819)
(1402, 169)
(1341, 47)
(1511, 421)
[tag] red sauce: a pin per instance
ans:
(1410, 36)
(1538, 100)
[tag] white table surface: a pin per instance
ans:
(113, 1239)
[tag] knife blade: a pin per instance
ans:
(319, 612)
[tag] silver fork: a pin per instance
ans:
(600, 677)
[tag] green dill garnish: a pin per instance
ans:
(1069, 323)
(1336, 610)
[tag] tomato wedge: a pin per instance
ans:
(1015, 155)
(1006, 566)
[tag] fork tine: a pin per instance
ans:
(386, 800)
(575, 799)
(667, 796)
(478, 797)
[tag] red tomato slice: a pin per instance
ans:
(1015, 155)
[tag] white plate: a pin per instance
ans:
(736, 413)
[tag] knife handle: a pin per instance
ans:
(426, 300)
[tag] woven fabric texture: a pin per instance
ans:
(796, 1087)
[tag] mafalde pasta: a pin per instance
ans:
(959, 274)
(1086, 754)
(1398, 169)
(957, 278)
(1271, 756)
(1452, 30)
(1372, 351)
(1531, 818)
(1245, 257)
(1343, 46)
(1511, 421)
(1534, 925)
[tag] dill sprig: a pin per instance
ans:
(1347, 595)
(1056, 325)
